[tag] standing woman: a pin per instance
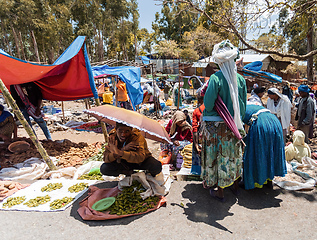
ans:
(280, 105)
(264, 154)
(221, 156)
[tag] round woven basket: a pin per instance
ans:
(18, 147)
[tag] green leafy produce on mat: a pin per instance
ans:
(129, 201)
(12, 201)
(51, 187)
(78, 187)
(59, 203)
(91, 177)
(34, 202)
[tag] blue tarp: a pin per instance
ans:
(3, 52)
(255, 67)
(130, 75)
(145, 60)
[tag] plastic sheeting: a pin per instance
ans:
(256, 68)
(68, 78)
(130, 75)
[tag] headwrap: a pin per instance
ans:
(298, 149)
(283, 108)
(224, 54)
(312, 95)
(178, 117)
(303, 88)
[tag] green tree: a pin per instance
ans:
(168, 49)
(173, 22)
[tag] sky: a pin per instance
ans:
(147, 10)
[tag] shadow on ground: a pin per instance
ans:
(112, 222)
(203, 208)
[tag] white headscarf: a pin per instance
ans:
(298, 149)
(283, 108)
(224, 54)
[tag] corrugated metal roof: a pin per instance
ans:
(247, 58)
(300, 63)
(200, 64)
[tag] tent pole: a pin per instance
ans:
(179, 91)
(63, 111)
(154, 97)
(116, 90)
(26, 126)
(103, 125)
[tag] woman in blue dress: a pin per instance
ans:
(264, 154)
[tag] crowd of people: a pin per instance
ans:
(218, 156)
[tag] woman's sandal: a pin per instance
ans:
(213, 193)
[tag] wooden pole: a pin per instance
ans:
(179, 91)
(154, 97)
(26, 126)
(63, 111)
(116, 90)
(103, 125)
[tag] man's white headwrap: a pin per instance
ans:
(224, 54)
(282, 109)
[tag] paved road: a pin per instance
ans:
(189, 214)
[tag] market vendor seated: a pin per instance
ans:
(179, 129)
(7, 124)
(127, 151)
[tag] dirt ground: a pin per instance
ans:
(190, 213)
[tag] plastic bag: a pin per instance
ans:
(165, 157)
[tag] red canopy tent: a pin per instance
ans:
(68, 78)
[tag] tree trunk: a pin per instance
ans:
(21, 45)
(100, 47)
(6, 38)
(51, 54)
(310, 60)
(36, 50)
(16, 41)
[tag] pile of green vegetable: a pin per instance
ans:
(78, 187)
(12, 201)
(59, 203)
(129, 201)
(51, 187)
(37, 201)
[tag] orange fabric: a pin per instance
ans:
(122, 91)
(165, 157)
(95, 194)
(196, 117)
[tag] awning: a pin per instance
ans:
(200, 65)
